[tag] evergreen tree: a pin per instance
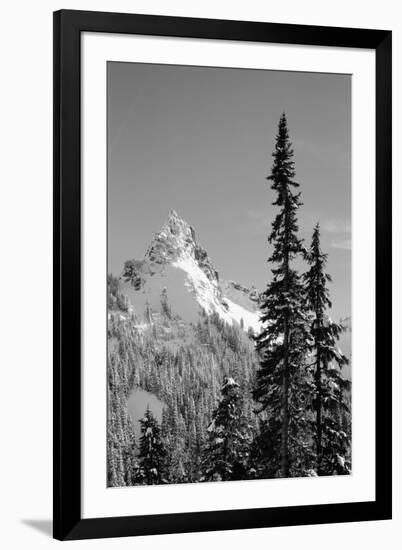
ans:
(121, 448)
(226, 451)
(166, 309)
(148, 313)
(184, 371)
(330, 403)
(173, 432)
(282, 384)
(152, 451)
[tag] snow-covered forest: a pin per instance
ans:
(238, 402)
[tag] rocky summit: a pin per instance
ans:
(178, 267)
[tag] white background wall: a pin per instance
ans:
(26, 271)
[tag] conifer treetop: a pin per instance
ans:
(284, 227)
(283, 166)
(316, 279)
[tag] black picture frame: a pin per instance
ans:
(68, 26)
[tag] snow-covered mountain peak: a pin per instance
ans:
(178, 265)
(176, 241)
(176, 238)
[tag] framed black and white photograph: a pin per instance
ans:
(222, 274)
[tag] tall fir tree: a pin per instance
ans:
(165, 305)
(121, 447)
(152, 452)
(227, 448)
(282, 384)
(330, 401)
(173, 432)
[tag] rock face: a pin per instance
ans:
(177, 241)
(177, 265)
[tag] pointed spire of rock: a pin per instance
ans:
(173, 213)
(175, 246)
(177, 241)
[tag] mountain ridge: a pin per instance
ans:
(178, 266)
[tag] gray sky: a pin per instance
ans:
(199, 140)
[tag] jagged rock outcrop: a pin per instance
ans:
(175, 250)
(175, 241)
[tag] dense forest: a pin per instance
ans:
(236, 405)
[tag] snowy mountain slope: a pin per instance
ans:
(177, 270)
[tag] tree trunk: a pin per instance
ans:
(285, 376)
(319, 405)
(285, 405)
